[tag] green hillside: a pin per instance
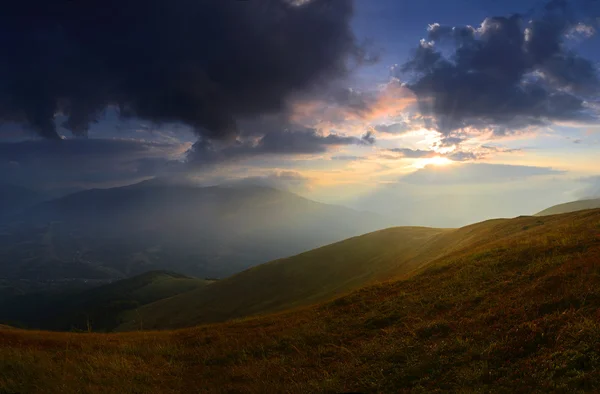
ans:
(97, 309)
(512, 307)
(571, 207)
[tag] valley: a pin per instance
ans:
(112, 234)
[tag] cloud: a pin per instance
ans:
(463, 156)
(207, 64)
(474, 173)
(302, 142)
(84, 163)
(450, 141)
(579, 31)
(347, 158)
(367, 139)
(351, 106)
(394, 128)
(282, 180)
(499, 149)
(413, 153)
(457, 154)
(507, 74)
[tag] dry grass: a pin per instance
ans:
(314, 276)
(516, 313)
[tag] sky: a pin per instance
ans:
(433, 112)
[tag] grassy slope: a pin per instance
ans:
(101, 307)
(516, 311)
(571, 207)
(311, 277)
(307, 278)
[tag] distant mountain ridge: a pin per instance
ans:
(201, 231)
(571, 207)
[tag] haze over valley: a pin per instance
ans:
(200, 231)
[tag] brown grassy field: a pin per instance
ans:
(514, 309)
(308, 278)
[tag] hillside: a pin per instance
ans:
(513, 309)
(199, 231)
(571, 207)
(309, 277)
(314, 276)
(97, 309)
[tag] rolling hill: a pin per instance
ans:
(309, 277)
(571, 207)
(320, 275)
(512, 308)
(199, 231)
(98, 308)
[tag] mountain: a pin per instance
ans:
(199, 231)
(512, 308)
(571, 207)
(14, 198)
(97, 309)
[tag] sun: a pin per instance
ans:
(434, 161)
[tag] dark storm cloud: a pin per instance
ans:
(509, 73)
(306, 141)
(47, 164)
(204, 63)
(74, 147)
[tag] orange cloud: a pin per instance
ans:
(390, 101)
